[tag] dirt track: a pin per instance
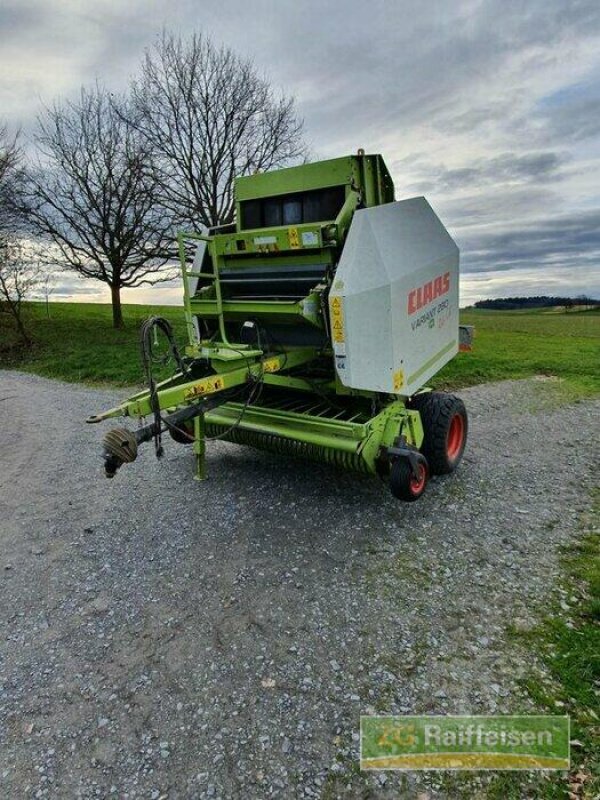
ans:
(161, 638)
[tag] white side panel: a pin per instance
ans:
(394, 300)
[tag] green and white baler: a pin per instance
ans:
(314, 323)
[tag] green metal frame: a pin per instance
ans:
(354, 438)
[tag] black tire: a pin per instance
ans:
(182, 433)
(445, 428)
(403, 483)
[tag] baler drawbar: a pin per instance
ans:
(314, 323)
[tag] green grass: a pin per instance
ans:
(77, 343)
(515, 344)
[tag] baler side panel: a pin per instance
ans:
(396, 291)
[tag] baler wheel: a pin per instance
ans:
(404, 484)
(445, 426)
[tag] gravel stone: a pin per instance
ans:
(204, 624)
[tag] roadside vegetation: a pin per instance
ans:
(76, 342)
(567, 644)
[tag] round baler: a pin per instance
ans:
(314, 322)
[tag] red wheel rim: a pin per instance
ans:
(417, 484)
(455, 438)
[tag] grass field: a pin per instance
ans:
(515, 344)
(77, 343)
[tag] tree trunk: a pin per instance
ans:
(115, 294)
(16, 310)
(22, 332)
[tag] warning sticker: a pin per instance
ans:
(293, 237)
(398, 378)
(336, 307)
(271, 365)
(208, 386)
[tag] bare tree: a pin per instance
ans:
(209, 117)
(19, 270)
(10, 154)
(12, 177)
(20, 275)
(94, 192)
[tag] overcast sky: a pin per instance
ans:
(490, 108)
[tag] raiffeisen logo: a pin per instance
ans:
(417, 298)
(496, 742)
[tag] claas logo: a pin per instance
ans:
(417, 298)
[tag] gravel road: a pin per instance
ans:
(161, 638)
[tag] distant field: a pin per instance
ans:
(77, 343)
(515, 344)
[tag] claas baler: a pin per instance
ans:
(314, 323)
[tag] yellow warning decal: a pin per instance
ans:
(271, 365)
(398, 380)
(336, 306)
(293, 237)
(208, 386)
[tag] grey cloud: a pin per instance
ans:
(567, 241)
(517, 282)
(27, 21)
(504, 208)
(506, 168)
(573, 121)
(52, 47)
(452, 93)
(396, 83)
(15, 18)
(68, 288)
(473, 118)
